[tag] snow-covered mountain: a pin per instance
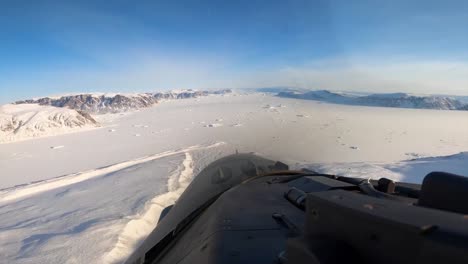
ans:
(112, 103)
(410, 101)
(277, 89)
(465, 107)
(49, 116)
(24, 121)
(94, 103)
(320, 95)
(399, 100)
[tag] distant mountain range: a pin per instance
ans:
(112, 103)
(50, 116)
(398, 100)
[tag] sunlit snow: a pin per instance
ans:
(93, 195)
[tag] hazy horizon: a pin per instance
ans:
(350, 92)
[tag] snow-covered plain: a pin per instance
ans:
(90, 197)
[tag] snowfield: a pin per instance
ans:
(93, 196)
(96, 216)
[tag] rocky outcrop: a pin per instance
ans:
(398, 100)
(91, 103)
(99, 104)
(403, 100)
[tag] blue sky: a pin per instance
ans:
(58, 47)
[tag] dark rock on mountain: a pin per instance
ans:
(399, 100)
(98, 104)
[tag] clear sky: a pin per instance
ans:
(58, 47)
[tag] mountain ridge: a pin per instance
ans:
(114, 103)
(395, 100)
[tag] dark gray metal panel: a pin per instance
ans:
(317, 184)
(443, 191)
(233, 213)
(239, 227)
(218, 177)
(235, 247)
(391, 231)
(394, 211)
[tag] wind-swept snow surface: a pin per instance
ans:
(412, 170)
(92, 196)
(97, 216)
